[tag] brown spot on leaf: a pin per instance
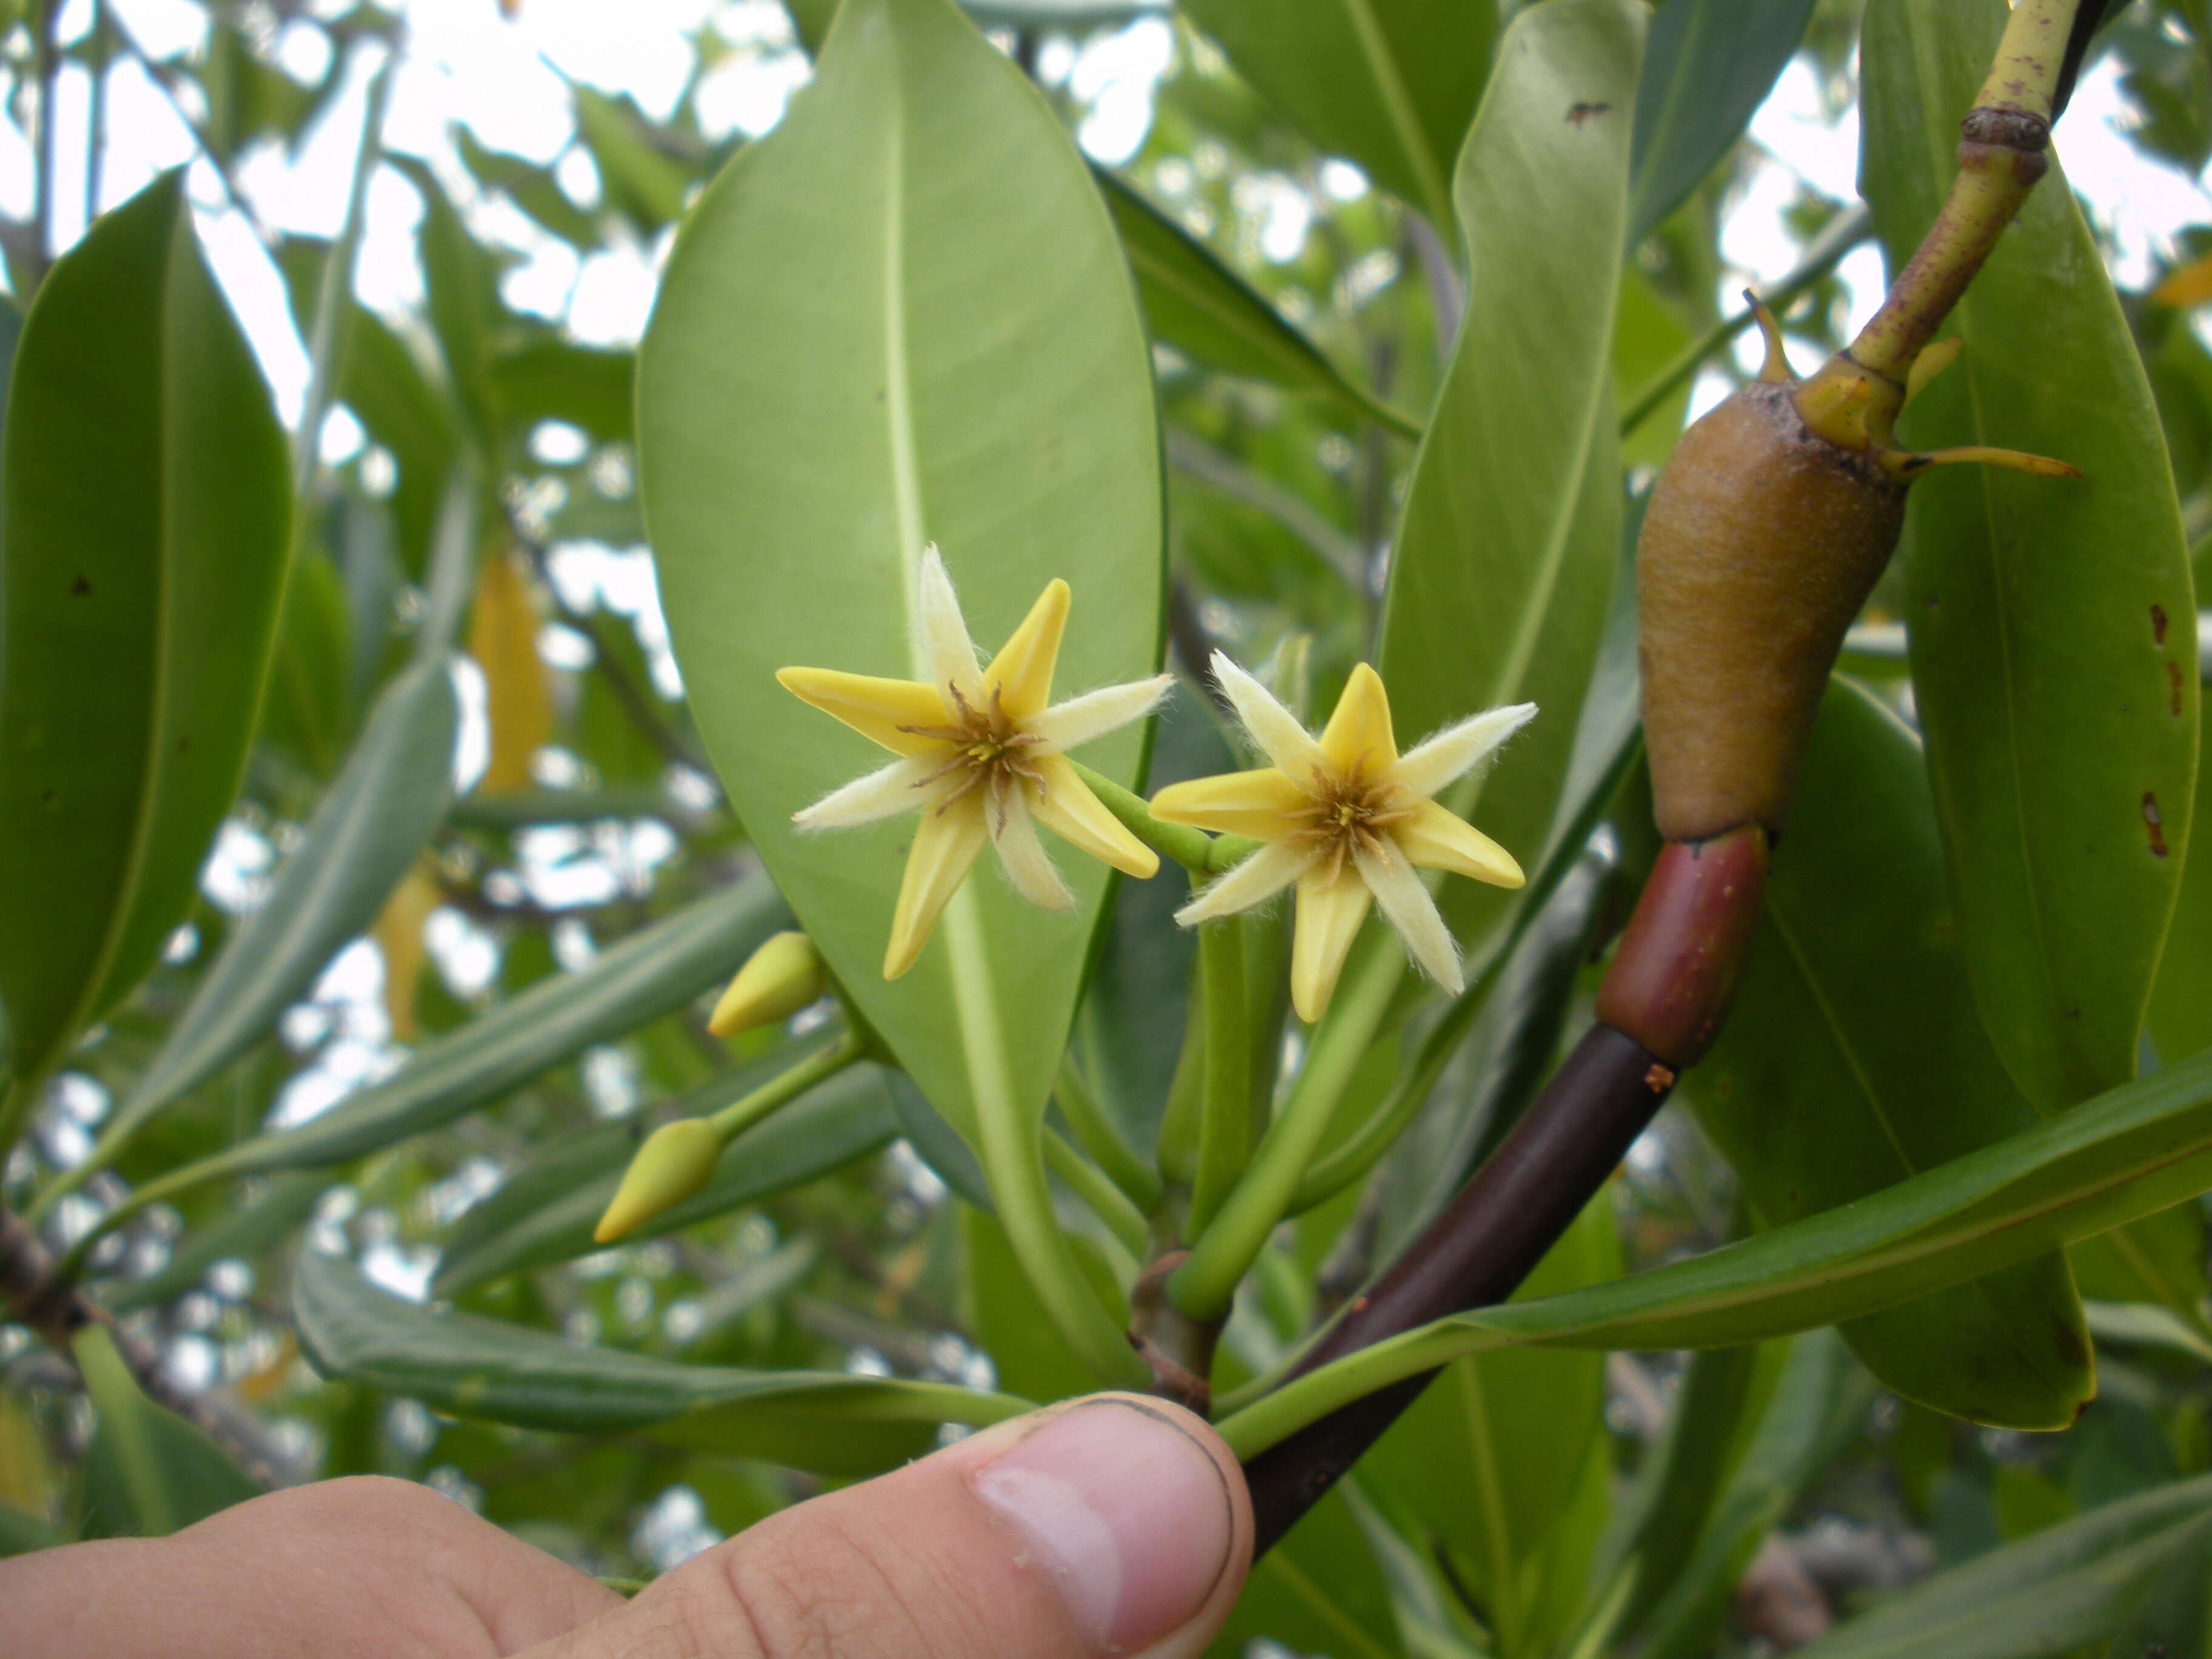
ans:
(1579, 113)
(2174, 688)
(79, 587)
(2156, 824)
(2157, 624)
(2071, 1349)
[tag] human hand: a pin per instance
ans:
(1116, 1524)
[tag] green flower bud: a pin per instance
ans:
(784, 975)
(674, 1163)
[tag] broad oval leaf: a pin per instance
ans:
(652, 972)
(1390, 84)
(904, 318)
(147, 1473)
(1711, 65)
(2052, 656)
(146, 510)
(360, 841)
(1196, 303)
(829, 1422)
(1853, 1059)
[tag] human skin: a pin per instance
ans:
(1117, 1524)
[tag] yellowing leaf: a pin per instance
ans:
(398, 936)
(503, 638)
(2191, 285)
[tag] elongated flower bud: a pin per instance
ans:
(784, 975)
(675, 1163)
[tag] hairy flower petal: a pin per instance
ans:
(875, 709)
(1028, 866)
(1357, 741)
(1459, 748)
(944, 844)
(1066, 806)
(1071, 724)
(1255, 881)
(1436, 838)
(940, 632)
(1407, 907)
(1022, 671)
(1329, 917)
(899, 787)
(1262, 804)
(1272, 727)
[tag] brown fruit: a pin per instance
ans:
(1760, 545)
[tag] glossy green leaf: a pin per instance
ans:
(2130, 1152)
(817, 402)
(997, 1306)
(306, 712)
(146, 515)
(829, 1422)
(2053, 662)
(546, 1213)
(1853, 1059)
(2180, 1022)
(361, 840)
(2067, 1587)
(1510, 537)
(147, 1473)
(1711, 63)
(651, 973)
(1390, 84)
(1320, 1590)
(1484, 1457)
(1196, 303)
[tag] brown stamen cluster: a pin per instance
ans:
(1347, 812)
(987, 745)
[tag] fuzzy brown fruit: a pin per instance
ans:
(1760, 544)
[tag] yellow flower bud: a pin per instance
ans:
(674, 1163)
(781, 977)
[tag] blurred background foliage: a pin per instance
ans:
(1791, 1490)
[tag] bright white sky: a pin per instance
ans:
(465, 63)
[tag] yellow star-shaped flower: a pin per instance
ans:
(1348, 819)
(980, 756)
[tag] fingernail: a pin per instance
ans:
(1125, 1510)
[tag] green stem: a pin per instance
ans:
(1105, 1199)
(1206, 1283)
(1844, 233)
(1196, 850)
(1224, 1124)
(1275, 1417)
(1100, 1137)
(786, 1087)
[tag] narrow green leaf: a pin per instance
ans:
(460, 280)
(2052, 655)
(147, 1473)
(2130, 1152)
(557, 379)
(1854, 1058)
(816, 404)
(1390, 84)
(652, 972)
(2067, 1587)
(546, 1213)
(829, 1422)
(1320, 1590)
(306, 712)
(360, 841)
(637, 180)
(146, 512)
(1711, 65)
(529, 188)
(236, 1235)
(1196, 303)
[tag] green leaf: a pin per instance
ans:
(2130, 1152)
(1485, 1457)
(546, 1213)
(306, 712)
(1196, 303)
(636, 179)
(2068, 1586)
(1512, 532)
(146, 512)
(460, 282)
(2053, 660)
(147, 1473)
(529, 188)
(1853, 1059)
(1711, 63)
(1390, 84)
(557, 380)
(1009, 1324)
(236, 1235)
(360, 841)
(815, 404)
(828, 1422)
(2180, 1022)
(654, 971)
(1320, 1590)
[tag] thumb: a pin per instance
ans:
(1115, 1524)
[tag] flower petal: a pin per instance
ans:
(1273, 727)
(1069, 725)
(1408, 907)
(899, 788)
(941, 634)
(1357, 738)
(1458, 750)
(1254, 881)
(875, 709)
(1442, 840)
(944, 844)
(1258, 804)
(1022, 670)
(1066, 806)
(1028, 866)
(1328, 918)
